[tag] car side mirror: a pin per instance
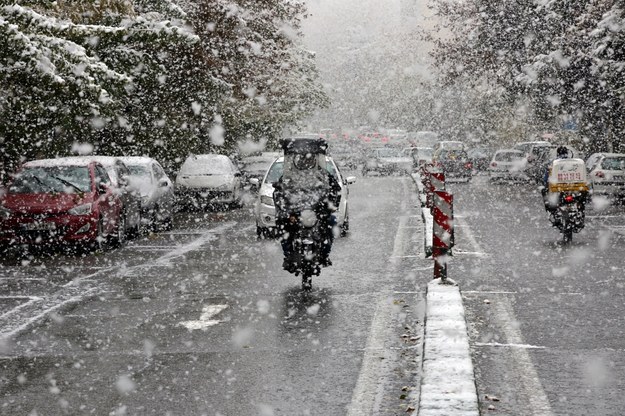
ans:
(163, 183)
(350, 180)
(102, 188)
(254, 181)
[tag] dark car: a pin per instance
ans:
(454, 162)
(64, 200)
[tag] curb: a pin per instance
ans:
(447, 381)
(447, 385)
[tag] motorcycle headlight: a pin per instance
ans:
(308, 218)
(84, 209)
(5, 212)
(267, 200)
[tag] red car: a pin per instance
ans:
(64, 200)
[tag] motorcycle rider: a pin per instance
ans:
(305, 180)
(551, 198)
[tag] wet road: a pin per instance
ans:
(546, 321)
(202, 320)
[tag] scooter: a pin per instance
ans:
(569, 215)
(566, 196)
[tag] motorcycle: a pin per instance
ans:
(307, 244)
(301, 198)
(566, 196)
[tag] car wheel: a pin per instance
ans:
(99, 243)
(119, 237)
(136, 230)
(345, 226)
(168, 224)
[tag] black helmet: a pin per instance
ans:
(562, 152)
(304, 161)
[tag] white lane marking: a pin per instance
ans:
(466, 230)
(40, 309)
(529, 383)
(498, 344)
(205, 320)
(21, 297)
(369, 391)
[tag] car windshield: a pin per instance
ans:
(52, 179)
(613, 163)
(275, 172)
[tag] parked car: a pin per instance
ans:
(156, 189)
(264, 211)
(454, 162)
(255, 167)
(131, 197)
(480, 158)
(387, 160)
(208, 180)
(64, 200)
(606, 172)
(508, 164)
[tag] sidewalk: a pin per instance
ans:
(447, 380)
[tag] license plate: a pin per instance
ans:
(40, 226)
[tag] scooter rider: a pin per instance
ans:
(305, 181)
(562, 152)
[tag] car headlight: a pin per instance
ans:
(267, 200)
(5, 212)
(84, 209)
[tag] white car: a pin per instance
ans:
(508, 164)
(607, 174)
(156, 189)
(265, 212)
(208, 180)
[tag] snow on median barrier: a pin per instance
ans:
(447, 381)
(426, 216)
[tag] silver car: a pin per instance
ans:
(265, 212)
(156, 189)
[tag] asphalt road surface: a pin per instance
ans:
(546, 321)
(202, 320)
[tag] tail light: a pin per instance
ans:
(468, 165)
(493, 165)
(600, 174)
(569, 198)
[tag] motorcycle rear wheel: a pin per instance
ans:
(567, 229)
